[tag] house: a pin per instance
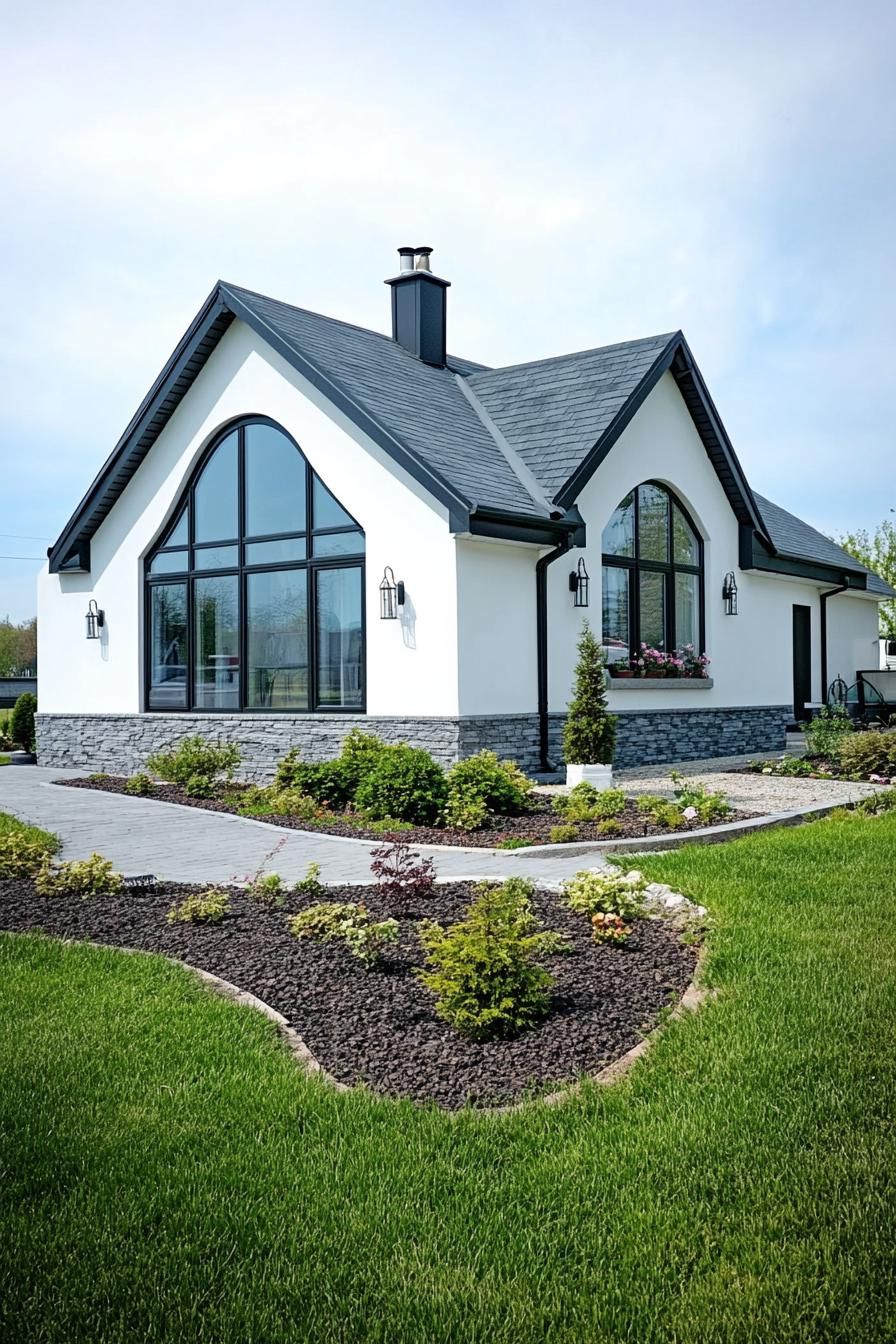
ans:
(309, 526)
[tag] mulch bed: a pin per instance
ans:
(534, 827)
(379, 1027)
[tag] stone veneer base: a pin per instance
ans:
(120, 743)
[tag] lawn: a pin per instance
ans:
(169, 1175)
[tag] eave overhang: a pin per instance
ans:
(754, 554)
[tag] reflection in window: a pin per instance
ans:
(240, 639)
(652, 576)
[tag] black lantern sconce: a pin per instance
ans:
(96, 619)
(579, 584)
(729, 594)
(391, 595)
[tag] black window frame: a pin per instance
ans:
(310, 565)
(634, 564)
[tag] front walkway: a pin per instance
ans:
(190, 845)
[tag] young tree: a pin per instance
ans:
(589, 737)
(877, 550)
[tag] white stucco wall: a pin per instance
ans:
(411, 663)
(496, 627)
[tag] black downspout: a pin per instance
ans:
(823, 635)
(541, 642)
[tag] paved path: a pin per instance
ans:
(190, 845)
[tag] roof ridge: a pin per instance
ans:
(524, 474)
(664, 337)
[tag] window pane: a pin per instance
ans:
(339, 543)
(216, 557)
(339, 652)
(327, 511)
(178, 536)
(687, 610)
(685, 547)
(653, 523)
(615, 614)
(169, 562)
(652, 589)
(277, 630)
(274, 552)
(216, 643)
(216, 495)
(168, 646)
(275, 483)
(619, 533)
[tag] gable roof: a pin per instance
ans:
(796, 540)
(506, 451)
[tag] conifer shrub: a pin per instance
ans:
(21, 721)
(589, 734)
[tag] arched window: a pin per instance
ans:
(255, 594)
(652, 576)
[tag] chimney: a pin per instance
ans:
(418, 306)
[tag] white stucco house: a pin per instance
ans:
(309, 526)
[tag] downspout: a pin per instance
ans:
(823, 635)
(541, 642)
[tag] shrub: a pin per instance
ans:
(609, 827)
(605, 893)
(386, 826)
(501, 785)
(513, 842)
(271, 801)
(328, 782)
(203, 907)
(196, 765)
(586, 803)
(139, 785)
(609, 928)
(871, 753)
(405, 783)
(400, 872)
(6, 738)
(360, 753)
(484, 970)
(21, 721)
(267, 890)
(788, 766)
(23, 855)
(464, 810)
(707, 806)
(310, 884)
(877, 802)
(827, 730)
(589, 735)
(563, 835)
(82, 877)
(347, 923)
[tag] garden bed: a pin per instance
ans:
(532, 827)
(379, 1027)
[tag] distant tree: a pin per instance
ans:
(18, 646)
(877, 550)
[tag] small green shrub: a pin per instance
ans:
(484, 970)
(707, 807)
(329, 782)
(195, 765)
(608, 828)
(563, 835)
(606, 893)
(871, 753)
(139, 785)
(586, 803)
(796, 767)
(81, 877)
(513, 842)
(826, 731)
(6, 738)
(24, 855)
(609, 928)
(310, 884)
(21, 721)
(271, 801)
(386, 826)
(203, 907)
(267, 890)
(465, 810)
(589, 734)
(500, 785)
(405, 782)
(98, 776)
(359, 754)
(349, 923)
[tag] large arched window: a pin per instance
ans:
(652, 576)
(255, 594)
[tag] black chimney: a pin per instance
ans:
(418, 306)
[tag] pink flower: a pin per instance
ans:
(877, 779)
(690, 813)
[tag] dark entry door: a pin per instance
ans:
(802, 661)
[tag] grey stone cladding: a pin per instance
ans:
(120, 743)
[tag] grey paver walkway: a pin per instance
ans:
(191, 845)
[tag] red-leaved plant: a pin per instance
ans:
(400, 872)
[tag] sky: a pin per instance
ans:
(586, 173)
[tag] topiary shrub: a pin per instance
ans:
(871, 753)
(589, 734)
(196, 765)
(484, 970)
(500, 785)
(21, 721)
(82, 877)
(405, 783)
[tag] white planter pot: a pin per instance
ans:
(600, 776)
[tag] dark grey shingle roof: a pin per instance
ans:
(553, 411)
(422, 405)
(797, 540)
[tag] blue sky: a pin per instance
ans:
(585, 172)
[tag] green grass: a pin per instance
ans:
(169, 1175)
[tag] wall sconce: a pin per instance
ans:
(391, 595)
(579, 584)
(96, 619)
(729, 594)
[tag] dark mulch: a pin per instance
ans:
(534, 827)
(379, 1026)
